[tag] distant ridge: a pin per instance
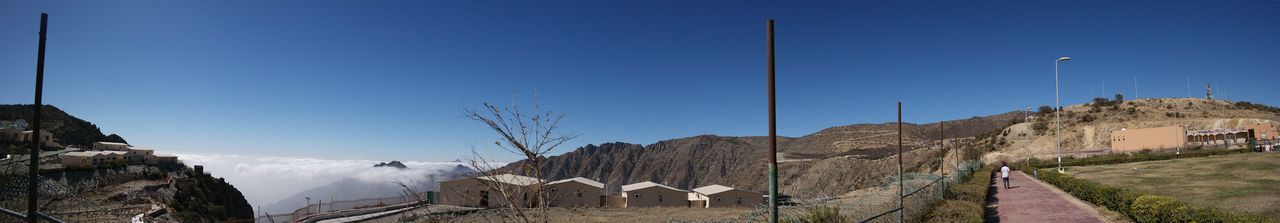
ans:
(823, 161)
(68, 129)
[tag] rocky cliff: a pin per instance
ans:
(826, 163)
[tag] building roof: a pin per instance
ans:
(141, 148)
(112, 143)
(711, 189)
(93, 153)
(646, 184)
(511, 179)
(580, 180)
(165, 155)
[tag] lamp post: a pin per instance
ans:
(1057, 113)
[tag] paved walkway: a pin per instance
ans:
(1030, 200)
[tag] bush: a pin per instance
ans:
(817, 214)
(956, 211)
(1118, 158)
(1087, 118)
(1041, 127)
(1044, 110)
(966, 199)
(1141, 207)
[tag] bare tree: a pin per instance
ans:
(528, 135)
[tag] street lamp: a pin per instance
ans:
(1057, 113)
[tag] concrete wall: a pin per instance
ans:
(108, 146)
(575, 194)
(76, 161)
(1134, 140)
(656, 197)
(472, 192)
(735, 198)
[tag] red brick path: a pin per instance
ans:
(1034, 201)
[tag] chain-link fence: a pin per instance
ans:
(60, 201)
(326, 207)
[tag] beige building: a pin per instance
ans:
(488, 191)
(137, 155)
(576, 192)
(1134, 140)
(715, 196)
(91, 159)
(163, 159)
(10, 134)
(114, 146)
(1264, 131)
(650, 194)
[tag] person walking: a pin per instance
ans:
(1004, 174)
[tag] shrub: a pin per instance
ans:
(966, 199)
(1117, 158)
(816, 214)
(1087, 118)
(956, 211)
(1044, 110)
(1141, 207)
(1041, 127)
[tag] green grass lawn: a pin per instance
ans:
(1248, 182)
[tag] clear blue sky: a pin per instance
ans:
(387, 79)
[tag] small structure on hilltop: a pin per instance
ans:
(715, 195)
(650, 194)
(488, 191)
(576, 192)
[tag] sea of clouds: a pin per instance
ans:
(266, 179)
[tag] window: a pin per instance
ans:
(553, 190)
(637, 195)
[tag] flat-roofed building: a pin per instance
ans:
(488, 191)
(114, 146)
(650, 194)
(1133, 140)
(575, 192)
(91, 159)
(163, 159)
(716, 195)
(135, 155)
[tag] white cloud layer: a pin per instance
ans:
(267, 179)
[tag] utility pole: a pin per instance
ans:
(33, 174)
(902, 193)
(942, 142)
(1135, 87)
(773, 131)
(1188, 86)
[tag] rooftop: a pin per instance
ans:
(712, 189)
(113, 143)
(580, 180)
(511, 179)
(646, 184)
(93, 153)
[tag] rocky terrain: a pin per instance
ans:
(154, 193)
(829, 162)
(1086, 128)
(68, 129)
